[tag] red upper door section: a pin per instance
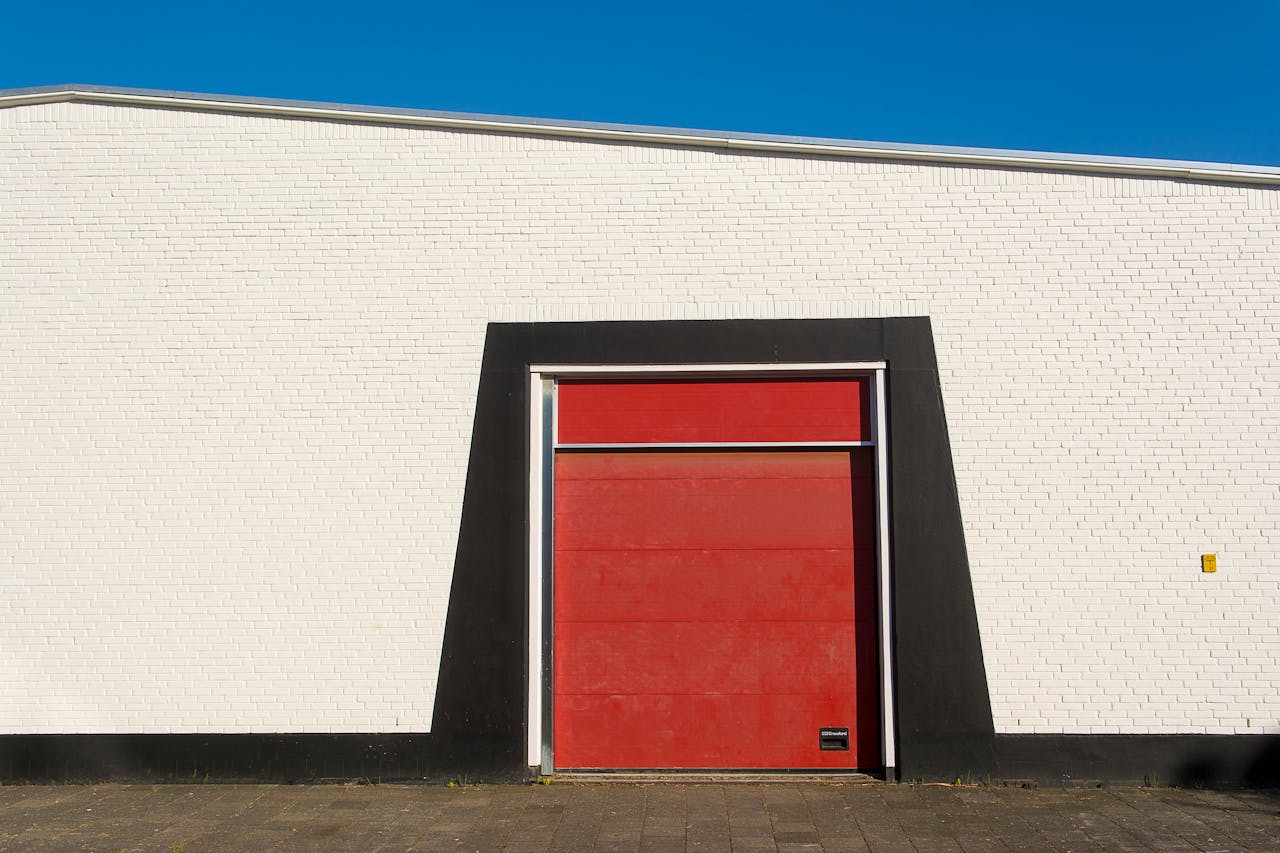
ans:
(696, 411)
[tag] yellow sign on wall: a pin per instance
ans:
(1208, 562)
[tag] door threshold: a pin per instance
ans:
(696, 777)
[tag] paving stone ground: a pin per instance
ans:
(631, 817)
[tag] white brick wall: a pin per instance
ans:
(238, 356)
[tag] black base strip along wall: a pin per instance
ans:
(252, 758)
(944, 720)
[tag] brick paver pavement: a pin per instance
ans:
(631, 817)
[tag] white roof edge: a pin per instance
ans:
(640, 134)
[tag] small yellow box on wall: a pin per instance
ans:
(1208, 562)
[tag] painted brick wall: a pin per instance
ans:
(238, 354)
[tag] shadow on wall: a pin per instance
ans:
(1258, 767)
(1264, 771)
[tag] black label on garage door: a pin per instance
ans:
(833, 739)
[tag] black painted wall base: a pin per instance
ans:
(1074, 760)
(258, 758)
(1185, 760)
(1052, 760)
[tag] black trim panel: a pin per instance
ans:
(941, 682)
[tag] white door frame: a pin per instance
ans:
(542, 446)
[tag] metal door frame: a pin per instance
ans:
(541, 502)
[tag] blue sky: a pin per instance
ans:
(1182, 80)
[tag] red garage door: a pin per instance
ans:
(714, 608)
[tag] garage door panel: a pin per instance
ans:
(720, 657)
(713, 410)
(717, 516)
(774, 584)
(707, 513)
(711, 731)
(857, 465)
(714, 597)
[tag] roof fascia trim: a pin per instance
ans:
(635, 134)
